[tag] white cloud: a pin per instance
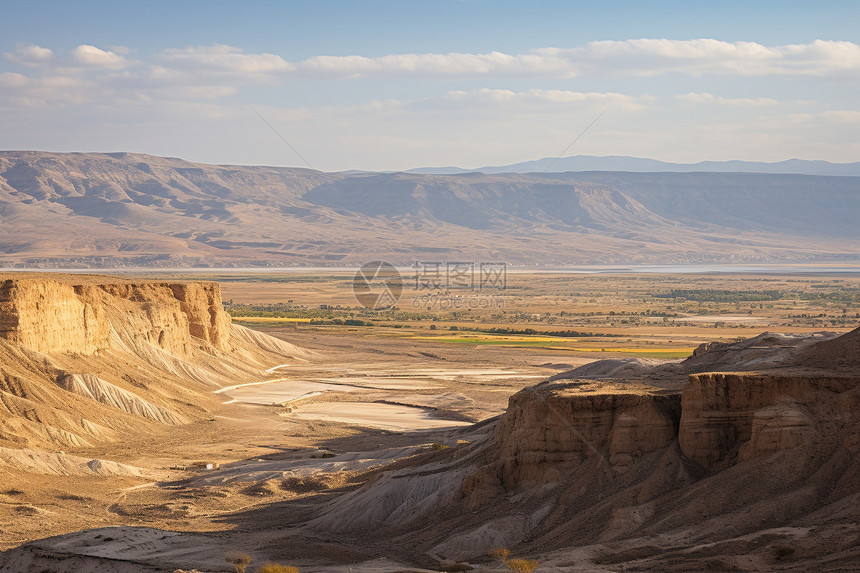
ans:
(643, 57)
(13, 80)
(29, 54)
(473, 117)
(708, 98)
(648, 57)
(452, 64)
(842, 116)
(91, 56)
(225, 59)
(542, 98)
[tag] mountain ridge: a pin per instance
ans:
(647, 165)
(125, 209)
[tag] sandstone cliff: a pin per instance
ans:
(85, 358)
(736, 456)
(733, 416)
(47, 315)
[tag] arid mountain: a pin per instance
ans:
(639, 164)
(123, 209)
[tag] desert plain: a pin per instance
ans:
(268, 413)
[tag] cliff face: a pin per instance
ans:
(729, 416)
(582, 463)
(84, 359)
(546, 434)
(50, 316)
(47, 316)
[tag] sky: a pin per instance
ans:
(393, 85)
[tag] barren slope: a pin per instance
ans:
(741, 472)
(750, 470)
(124, 209)
(84, 360)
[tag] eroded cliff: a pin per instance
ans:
(85, 358)
(49, 315)
(734, 456)
(729, 417)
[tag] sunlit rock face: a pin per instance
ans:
(50, 316)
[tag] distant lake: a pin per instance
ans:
(796, 268)
(695, 269)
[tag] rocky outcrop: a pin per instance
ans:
(736, 416)
(584, 462)
(765, 351)
(547, 433)
(84, 359)
(48, 315)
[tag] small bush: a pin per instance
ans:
(522, 565)
(515, 565)
(239, 560)
(277, 568)
(302, 484)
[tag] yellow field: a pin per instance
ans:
(268, 320)
(656, 315)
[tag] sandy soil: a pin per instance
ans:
(370, 415)
(283, 444)
(266, 453)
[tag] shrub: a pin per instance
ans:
(515, 565)
(239, 560)
(522, 565)
(277, 568)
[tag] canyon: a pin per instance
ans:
(742, 457)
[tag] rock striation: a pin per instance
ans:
(574, 463)
(547, 433)
(48, 315)
(85, 358)
(729, 416)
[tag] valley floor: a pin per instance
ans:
(268, 454)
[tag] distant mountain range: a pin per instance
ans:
(640, 165)
(123, 209)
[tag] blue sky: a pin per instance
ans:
(393, 85)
